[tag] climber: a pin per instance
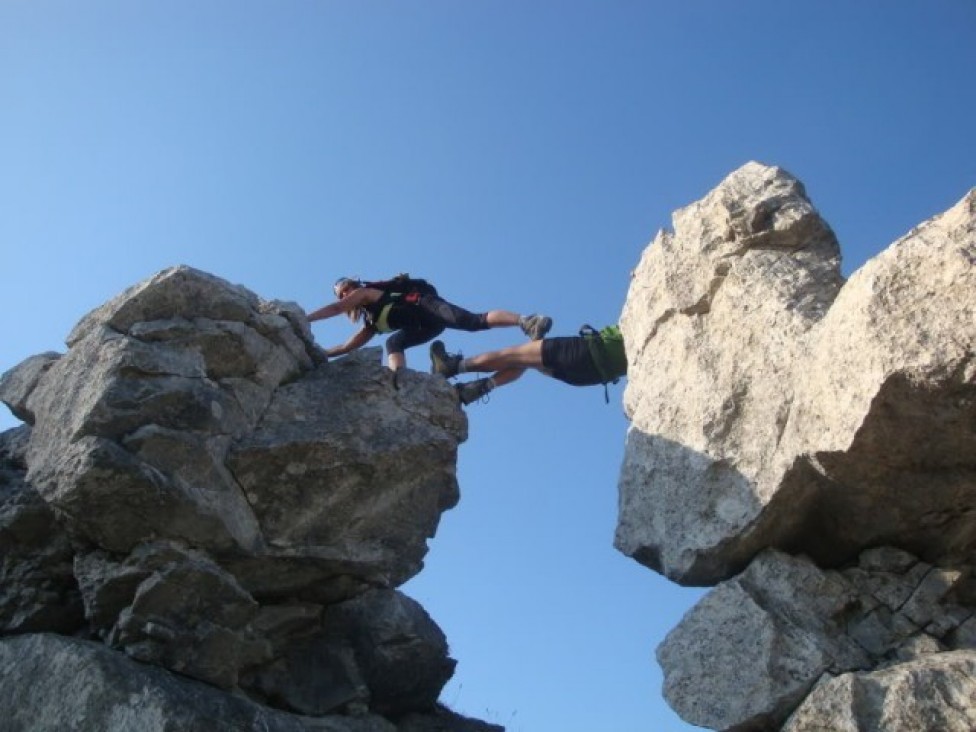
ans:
(592, 357)
(413, 312)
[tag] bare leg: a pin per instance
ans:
(534, 326)
(520, 357)
(396, 361)
(501, 318)
(506, 376)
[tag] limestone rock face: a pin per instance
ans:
(321, 448)
(53, 683)
(199, 490)
(771, 406)
(754, 647)
(882, 427)
(379, 649)
(37, 588)
(927, 694)
(808, 445)
(713, 324)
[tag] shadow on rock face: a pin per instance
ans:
(240, 511)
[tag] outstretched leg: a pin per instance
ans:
(450, 315)
(523, 356)
(396, 361)
(471, 391)
(401, 340)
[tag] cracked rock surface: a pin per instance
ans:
(808, 445)
(199, 490)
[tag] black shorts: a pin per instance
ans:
(568, 359)
(422, 322)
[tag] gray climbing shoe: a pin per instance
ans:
(472, 391)
(443, 363)
(535, 326)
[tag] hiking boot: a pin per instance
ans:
(535, 326)
(443, 363)
(472, 391)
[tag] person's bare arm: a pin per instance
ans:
(359, 339)
(353, 300)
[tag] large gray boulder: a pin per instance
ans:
(882, 431)
(751, 649)
(343, 468)
(770, 406)
(809, 445)
(380, 650)
(201, 491)
(750, 652)
(714, 322)
(52, 683)
(932, 694)
(38, 590)
(188, 408)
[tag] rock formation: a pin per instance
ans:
(808, 446)
(203, 525)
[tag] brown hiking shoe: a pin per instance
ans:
(472, 391)
(443, 363)
(535, 326)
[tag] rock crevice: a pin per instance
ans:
(199, 491)
(808, 446)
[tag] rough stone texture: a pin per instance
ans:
(187, 408)
(444, 720)
(883, 422)
(199, 490)
(379, 649)
(713, 324)
(777, 410)
(191, 616)
(304, 458)
(751, 649)
(16, 385)
(52, 683)
(933, 694)
(37, 589)
(400, 650)
(760, 418)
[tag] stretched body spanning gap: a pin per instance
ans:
(585, 360)
(413, 312)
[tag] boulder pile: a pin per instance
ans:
(203, 525)
(807, 445)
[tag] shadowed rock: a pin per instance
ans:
(932, 693)
(777, 410)
(714, 321)
(37, 588)
(380, 650)
(239, 512)
(772, 407)
(52, 683)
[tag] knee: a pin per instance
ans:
(474, 322)
(394, 345)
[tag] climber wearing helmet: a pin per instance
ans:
(412, 311)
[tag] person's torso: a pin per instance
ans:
(393, 310)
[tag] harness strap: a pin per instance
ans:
(381, 324)
(597, 352)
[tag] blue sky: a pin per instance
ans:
(520, 155)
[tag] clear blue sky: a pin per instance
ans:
(520, 154)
